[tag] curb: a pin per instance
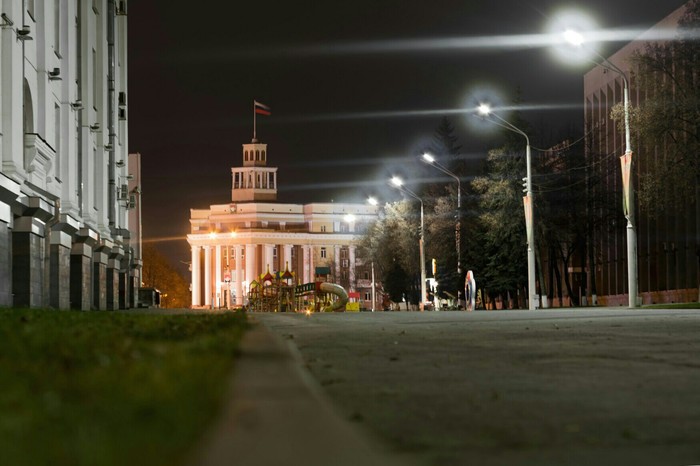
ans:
(277, 414)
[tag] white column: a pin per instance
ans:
(312, 270)
(286, 258)
(336, 258)
(305, 261)
(351, 273)
(196, 278)
(268, 258)
(217, 278)
(207, 276)
(249, 264)
(239, 274)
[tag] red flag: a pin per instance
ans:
(262, 109)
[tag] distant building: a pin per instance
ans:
(235, 243)
(134, 198)
(668, 246)
(64, 233)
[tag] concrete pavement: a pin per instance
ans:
(278, 415)
(551, 387)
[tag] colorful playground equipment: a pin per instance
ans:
(278, 292)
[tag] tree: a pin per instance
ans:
(667, 118)
(441, 209)
(158, 273)
(504, 256)
(392, 243)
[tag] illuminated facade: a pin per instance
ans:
(233, 244)
(64, 237)
(668, 245)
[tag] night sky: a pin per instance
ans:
(356, 89)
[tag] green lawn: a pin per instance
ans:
(674, 306)
(109, 388)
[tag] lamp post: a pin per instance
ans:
(576, 39)
(430, 160)
(486, 111)
(398, 184)
(373, 202)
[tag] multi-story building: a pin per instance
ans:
(235, 243)
(64, 238)
(668, 244)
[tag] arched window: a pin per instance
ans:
(245, 155)
(257, 155)
(263, 155)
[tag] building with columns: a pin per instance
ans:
(234, 243)
(64, 232)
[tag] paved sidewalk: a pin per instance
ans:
(552, 387)
(278, 416)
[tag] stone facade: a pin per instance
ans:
(63, 150)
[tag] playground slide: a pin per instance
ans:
(337, 290)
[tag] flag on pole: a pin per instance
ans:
(262, 109)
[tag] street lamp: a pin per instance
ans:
(373, 202)
(486, 111)
(430, 160)
(576, 39)
(398, 184)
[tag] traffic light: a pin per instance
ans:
(525, 184)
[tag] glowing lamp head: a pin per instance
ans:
(349, 218)
(428, 158)
(573, 37)
(372, 201)
(396, 181)
(212, 235)
(484, 109)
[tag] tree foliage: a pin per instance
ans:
(392, 243)
(158, 273)
(502, 248)
(667, 118)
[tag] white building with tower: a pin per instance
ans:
(237, 242)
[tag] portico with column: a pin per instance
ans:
(255, 225)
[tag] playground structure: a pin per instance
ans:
(278, 292)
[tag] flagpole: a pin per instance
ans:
(254, 123)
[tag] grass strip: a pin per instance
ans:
(109, 388)
(674, 306)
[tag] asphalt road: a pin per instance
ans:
(568, 387)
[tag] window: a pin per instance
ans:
(323, 253)
(274, 251)
(367, 296)
(345, 263)
(263, 155)
(344, 228)
(257, 155)
(323, 228)
(365, 275)
(245, 156)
